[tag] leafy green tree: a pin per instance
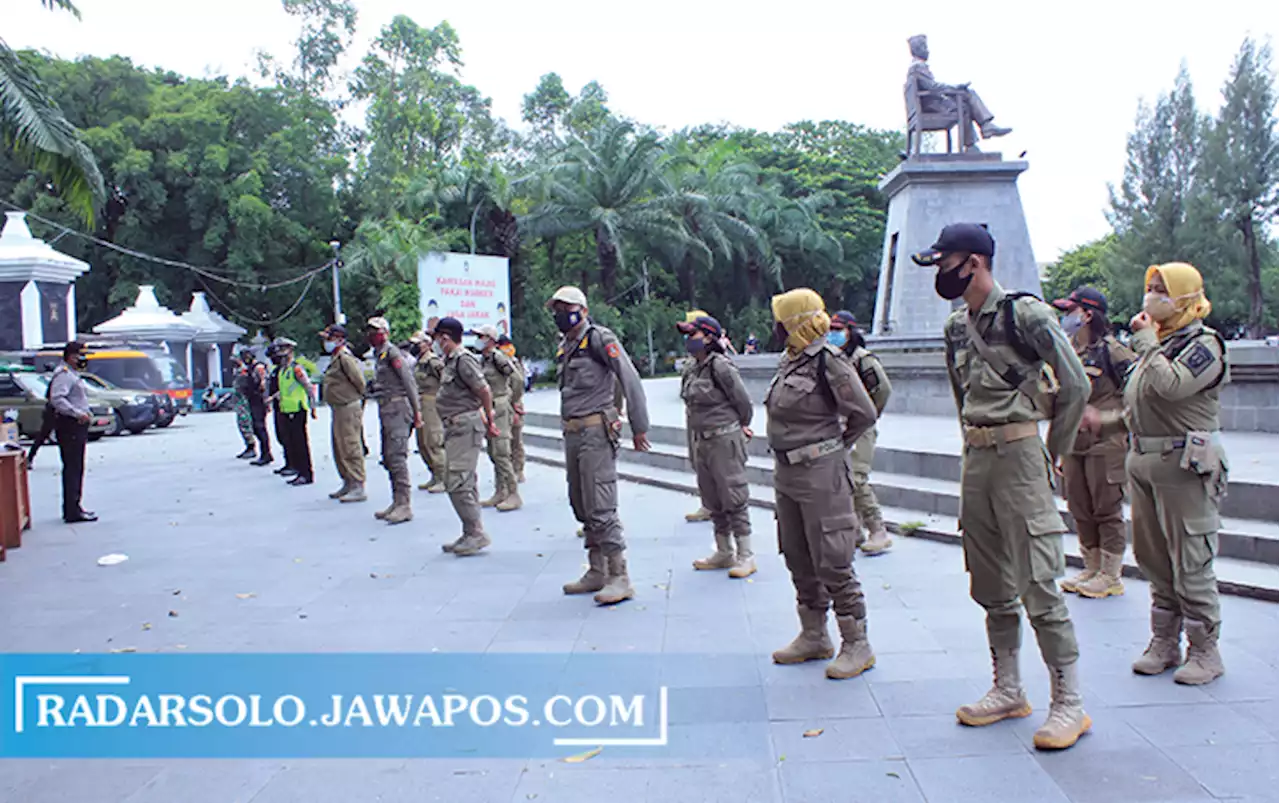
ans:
(1086, 264)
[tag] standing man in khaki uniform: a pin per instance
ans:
(499, 370)
(517, 422)
(686, 328)
(1177, 469)
(464, 395)
(589, 360)
(845, 336)
(1094, 470)
(718, 409)
(817, 409)
(996, 347)
(398, 412)
(343, 387)
(427, 374)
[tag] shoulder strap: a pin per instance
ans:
(1012, 375)
(823, 382)
(593, 346)
(1011, 329)
(715, 378)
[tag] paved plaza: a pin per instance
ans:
(201, 528)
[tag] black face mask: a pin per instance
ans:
(566, 320)
(82, 363)
(950, 285)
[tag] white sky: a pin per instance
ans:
(1066, 76)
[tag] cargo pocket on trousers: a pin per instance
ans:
(1201, 543)
(1047, 558)
(604, 497)
(838, 539)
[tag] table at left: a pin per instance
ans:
(15, 500)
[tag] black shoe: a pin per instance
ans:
(262, 461)
(300, 480)
(288, 473)
(246, 454)
(83, 515)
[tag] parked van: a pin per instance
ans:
(132, 369)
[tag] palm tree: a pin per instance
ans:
(35, 130)
(606, 184)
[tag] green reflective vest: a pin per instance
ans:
(293, 394)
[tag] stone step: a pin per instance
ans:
(1235, 576)
(1245, 500)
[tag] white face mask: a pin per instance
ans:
(1159, 306)
(1071, 324)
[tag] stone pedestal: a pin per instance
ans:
(927, 192)
(37, 290)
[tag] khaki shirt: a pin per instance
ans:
(800, 412)
(392, 377)
(714, 394)
(873, 377)
(499, 371)
(460, 384)
(586, 367)
(517, 381)
(985, 399)
(1168, 393)
(427, 373)
(1105, 363)
(343, 381)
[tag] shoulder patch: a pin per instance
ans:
(613, 350)
(1198, 358)
(395, 363)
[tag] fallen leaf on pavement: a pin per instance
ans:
(146, 625)
(249, 595)
(125, 649)
(893, 775)
(177, 591)
(581, 757)
(173, 614)
(809, 734)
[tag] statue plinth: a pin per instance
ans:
(927, 192)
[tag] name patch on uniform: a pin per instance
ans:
(1198, 359)
(613, 350)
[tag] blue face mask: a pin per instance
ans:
(1072, 324)
(838, 337)
(330, 346)
(694, 346)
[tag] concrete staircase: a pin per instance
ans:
(920, 494)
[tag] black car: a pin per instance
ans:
(166, 409)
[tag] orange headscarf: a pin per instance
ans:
(1186, 288)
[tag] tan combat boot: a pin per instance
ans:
(354, 494)
(1004, 700)
(1106, 583)
(1067, 721)
(346, 486)
(382, 514)
(1204, 663)
(512, 502)
(594, 578)
(452, 545)
(1092, 562)
(1165, 649)
(499, 493)
(813, 643)
(520, 476)
(722, 558)
(879, 541)
(619, 586)
(855, 655)
(470, 545)
(402, 510)
(701, 514)
(744, 562)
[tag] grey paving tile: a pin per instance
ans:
(1126, 689)
(943, 737)
(1247, 678)
(569, 782)
(1135, 775)
(980, 779)
(923, 697)
(207, 782)
(731, 669)
(729, 782)
(1232, 771)
(1186, 725)
(840, 740)
(1266, 712)
(715, 704)
(86, 780)
(829, 699)
(440, 780)
(852, 781)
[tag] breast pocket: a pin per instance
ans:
(795, 389)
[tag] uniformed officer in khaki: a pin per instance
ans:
(686, 327)
(846, 336)
(812, 391)
(343, 387)
(718, 409)
(1177, 469)
(517, 420)
(466, 408)
(427, 374)
(996, 347)
(398, 413)
(588, 361)
(499, 370)
(1094, 470)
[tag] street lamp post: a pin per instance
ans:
(338, 317)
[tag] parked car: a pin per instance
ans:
(133, 369)
(131, 410)
(25, 390)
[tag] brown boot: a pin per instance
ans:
(701, 514)
(402, 511)
(470, 545)
(512, 502)
(744, 561)
(879, 541)
(346, 486)
(499, 493)
(722, 558)
(452, 545)
(1067, 721)
(1106, 583)
(354, 494)
(1165, 649)
(1004, 700)
(813, 643)
(619, 586)
(855, 655)
(594, 578)
(1204, 663)
(382, 514)
(1092, 562)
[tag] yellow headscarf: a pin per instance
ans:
(803, 314)
(509, 349)
(1186, 288)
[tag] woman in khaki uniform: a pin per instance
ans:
(812, 391)
(1094, 471)
(719, 419)
(1177, 469)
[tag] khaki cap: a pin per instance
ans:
(488, 330)
(379, 323)
(569, 295)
